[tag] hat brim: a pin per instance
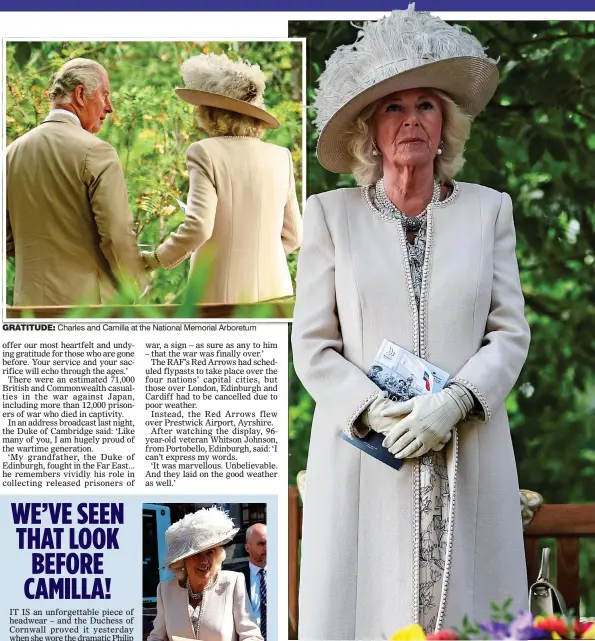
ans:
(210, 99)
(211, 543)
(469, 81)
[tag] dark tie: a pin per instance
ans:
(263, 603)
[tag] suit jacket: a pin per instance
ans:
(354, 289)
(246, 572)
(69, 226)
(243, 212)
(227, 613)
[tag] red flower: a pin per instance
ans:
(445, 635)
(581, 628)
(552, 624)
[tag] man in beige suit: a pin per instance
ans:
(69, 226)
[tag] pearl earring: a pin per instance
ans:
(440, 146)
(375, 150)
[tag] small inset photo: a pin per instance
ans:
(152, 179)
(205, 572)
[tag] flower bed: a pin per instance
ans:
(503, 625)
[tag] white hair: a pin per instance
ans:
(179, 567)
(456, 128)
(78, 71)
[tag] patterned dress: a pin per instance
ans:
(434, 487)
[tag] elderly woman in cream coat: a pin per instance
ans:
(202, 601)
(242, 208)
(428, 263)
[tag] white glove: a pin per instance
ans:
(442, 444)
(373, 418)
(430, 420)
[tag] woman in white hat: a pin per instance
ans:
(242, 208)
(414, 257)
(202, 601)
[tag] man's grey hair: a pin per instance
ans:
(78, 71)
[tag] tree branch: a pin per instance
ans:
(563, 36)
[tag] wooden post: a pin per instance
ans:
(294, 539)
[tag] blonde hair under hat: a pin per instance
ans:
(198, 532)
(213, 80)
(405, 50)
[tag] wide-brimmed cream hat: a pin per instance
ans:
(214, 80)
(405, 50)
(198, 532)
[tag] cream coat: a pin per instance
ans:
(68, 221)
(360, 532)
(227, 615)
(243, 212)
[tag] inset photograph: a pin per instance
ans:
(153, 179)
(205, 572)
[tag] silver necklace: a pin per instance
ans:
(410, 223)
(201, 597)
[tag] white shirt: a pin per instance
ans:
(53, 112)
(255, 590)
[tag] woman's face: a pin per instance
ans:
(199, 566)
(408, 127)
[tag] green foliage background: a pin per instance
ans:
(536, 141)
(151, 127)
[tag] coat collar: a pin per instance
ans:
(61, 115)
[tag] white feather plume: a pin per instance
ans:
(218, 74)
(384, 48)
(197, 530)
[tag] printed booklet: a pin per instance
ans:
(403, 375)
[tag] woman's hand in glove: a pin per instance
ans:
(150, 260)
(427, 423)
(374, 417)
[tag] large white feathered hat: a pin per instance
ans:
(214, 80)
(198, 532)
(405, 50)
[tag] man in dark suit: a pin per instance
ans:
(255, 573)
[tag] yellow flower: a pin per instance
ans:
(589, 633)
(410, 633)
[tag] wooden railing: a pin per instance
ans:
(277, 308)
(565, 523)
